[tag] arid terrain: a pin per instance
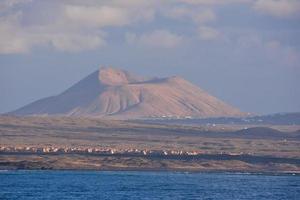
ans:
(82, 143)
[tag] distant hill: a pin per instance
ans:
(115, 93)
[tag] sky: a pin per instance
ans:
(245, 52)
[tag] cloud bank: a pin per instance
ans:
(278, 8)
(75, 26)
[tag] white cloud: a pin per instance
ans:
(97, 16)
(178, 12)
(11, 38)
(82, 25)
(273, 45)
(213, 2)
(199, 16)
(5, 4)
(208, 33)
(287, 55)
(271, 50)
(15, 38)
(278, 8)
(249, 40)
(9, 42)
(204, 16)
(107, 15)
(74, 43)
(157, 38)
(76, 25)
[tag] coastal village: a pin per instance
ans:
(104, 151)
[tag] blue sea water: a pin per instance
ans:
(145, 185)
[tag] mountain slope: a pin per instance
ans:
(115, 93)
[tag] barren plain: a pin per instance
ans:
(96, 144)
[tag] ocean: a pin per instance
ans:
(146, 185)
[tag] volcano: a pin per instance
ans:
(114, 93)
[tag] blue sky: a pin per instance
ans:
(245, 52)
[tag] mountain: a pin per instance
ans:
(115, 93)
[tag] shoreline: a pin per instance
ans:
(206, 163)
(268, 173)
(210, 156)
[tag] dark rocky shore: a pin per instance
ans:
(118, 161)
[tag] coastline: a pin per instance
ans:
(264, 173)
(233, 164)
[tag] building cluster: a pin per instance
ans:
(96, 150)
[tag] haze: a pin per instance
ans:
(245, 52)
